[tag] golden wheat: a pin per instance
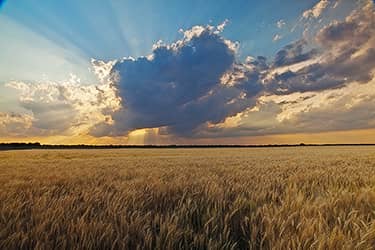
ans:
(281, 198)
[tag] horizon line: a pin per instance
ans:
(37, 145)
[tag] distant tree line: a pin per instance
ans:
(37, 145)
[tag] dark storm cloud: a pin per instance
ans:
(311, 78)
(293, 53)
(338, 32)
(180, 85)
(334, 73)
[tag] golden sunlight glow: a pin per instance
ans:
(137, 137)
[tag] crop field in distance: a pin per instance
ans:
(223, 198)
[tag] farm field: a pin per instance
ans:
(212, 198)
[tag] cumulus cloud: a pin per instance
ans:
(280, 24)
(13, 125)
(102, 69)
(181, 85)
(276, 37)
(317, 10)
(69, 107)
(220, 27)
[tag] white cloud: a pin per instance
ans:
(221, 26)
(280, 24)
(68, 107)
(331, 110)
(102, 69)
(276, 37)
(317, 10)
(336, 4)
(13, 125)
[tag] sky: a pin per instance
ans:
(187, 72)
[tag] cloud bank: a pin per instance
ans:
(199, 87)
(60, 108)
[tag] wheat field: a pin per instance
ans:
(224, 198)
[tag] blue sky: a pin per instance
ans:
(309, 55)
(76, 31)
